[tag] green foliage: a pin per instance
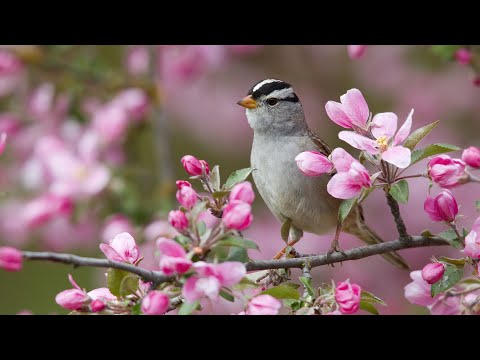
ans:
(399, 191)
(452, 275)
(282, 291)
(414, 138)
(237, 177)
(431, 150)
(238, 242)
(345, 208)
(121, 283)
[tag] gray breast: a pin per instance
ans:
(286, 191)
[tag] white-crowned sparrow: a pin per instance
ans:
(281, 133)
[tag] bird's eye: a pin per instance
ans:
(272, 101)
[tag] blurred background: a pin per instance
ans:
(96, 133)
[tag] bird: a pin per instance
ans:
(280, 133)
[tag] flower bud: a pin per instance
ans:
(193, 166)
(182, 183)
(97, 306)
(471, 156)
(178, 220)
(463, 56)
(187, 197)
(11, 259)
(155, 303)
(447, 172)
(312, 163)
(348, 297)
(242, 192)
(71, 299)
(356, 51)
(237, 215)
(433, 272)
(441, 208)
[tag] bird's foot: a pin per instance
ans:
(334, 248)
(290, 249)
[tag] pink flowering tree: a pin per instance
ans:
(74, 180)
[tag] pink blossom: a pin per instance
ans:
(45, 106)
(472, 241)
(387, 139)
(102, 294)
(24, 312)
(351, 176)
(263, 305)
(193, 166)
(116, 224)
(348, 297)
(3, 141)
(111, 122)
(242, 192)
(351, 113)
(447, 172)
(11, 70)
(42, 209)
(356, 51)
(418, 291)
(178, 220)
(313, 163)
(441, 208)
(471, 156)
(121, 248)
(72, 299)
(463, 56)
(11, 259)
(210, 278)
(134, 101)
(155, 303)
(237, 215)
(158, 228)
(187, 197)
(182, 183)
(10, 124)
(97, 306)
(433, 272)
(138, 60)
(446, 306)
(173, 257)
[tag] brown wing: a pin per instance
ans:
(322, 146)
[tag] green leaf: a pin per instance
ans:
(307, 282)
(371, 298)
(187, 308)
(477, 205)
(201, 227)
(128, 285)
(237, 254)
(237, 177)
(399, 191)
(114, 280)
(220, 194)
(137, 309)
(291, 284)
(282, 292)
(368, 306)
(446, 52)
(452, 275)
(285, 230)
(246, 283)
(238, 242)
(182, 240)
(460, 262)
(215, 177)
(452, 238)
(419, 134)
(345, 208)
(227, 296)
(292, 304)
(427, 233)
(431, 150)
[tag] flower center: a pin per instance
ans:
(81, 173)
(382, 143)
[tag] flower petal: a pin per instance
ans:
(384, 124)
(342, 160)
(341, 186)
(336, 113)
(358, 141)
(404, 131)
(111, 253)
(230, 272)
(73, 282)
(398, 155)
(125, 246)
(429, 207)
(170, 247)
(313, 163)
(355, 107)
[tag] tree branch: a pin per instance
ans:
(395, 210)
(158, 277)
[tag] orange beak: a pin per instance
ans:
(248, 102)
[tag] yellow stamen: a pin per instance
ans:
(81, 173)
(382, 142)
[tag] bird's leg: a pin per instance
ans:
(295, 236)
(335, 247)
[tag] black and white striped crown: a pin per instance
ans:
(273, 88)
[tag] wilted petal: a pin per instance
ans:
(359, 141)
(404, 130)
(341, 186)
(384, 124)
(398, 155)
(336, 113)
(342, 160)
(355, 107)
(230, 272)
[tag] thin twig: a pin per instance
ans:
(395, 210)
(460, 237)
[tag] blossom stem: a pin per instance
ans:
(463, 292)
(395, 210)
(410, 177)
(460, 237)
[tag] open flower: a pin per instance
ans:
(72, 299)
(351, 113)
(472, 241)
(387, 139)
(121, 248)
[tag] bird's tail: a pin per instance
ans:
(355, 225)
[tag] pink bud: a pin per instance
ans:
(237, 215)
(263, 305)
(72, 299)
(472, 241)
(242, 192)
(463, 56)
(3, 141)
(447, 172)
(441, 208)
(116, 224)
(178, 220)
(471, 156)
(10, 258)
(155, 303)
(172, 257)
(187, 197)
(356, 51)
(312, 163)
(348, 297)
(97, 306)
(205, 165)
(433, 272)
(192, 165)
(182, 183)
